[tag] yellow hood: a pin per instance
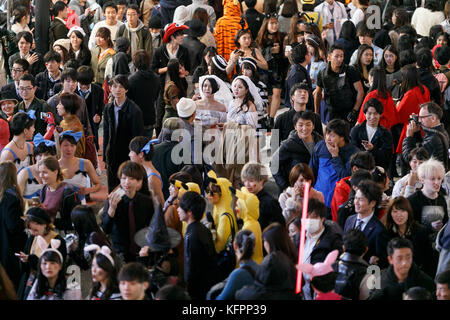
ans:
(185, 187)
(249, 204)
(224, 204)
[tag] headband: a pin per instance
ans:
(249, 61)
(76, 28)
(149, 144)
(76, 135)
(54, 244)
(311, 38)
(38, 139)
(104, 250)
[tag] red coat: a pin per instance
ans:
(389, 115)
(4, 133)
(340, 196)
(409, 104)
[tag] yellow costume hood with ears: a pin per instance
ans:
(182, 189)
(221, 220)
(248, 204)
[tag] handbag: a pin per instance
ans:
(226, 261)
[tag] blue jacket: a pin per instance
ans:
(328, 170)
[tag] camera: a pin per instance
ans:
(415, 118)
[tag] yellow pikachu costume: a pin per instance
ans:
(221, 220)
(248, 205)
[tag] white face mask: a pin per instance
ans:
(155, 34)
(312, 225)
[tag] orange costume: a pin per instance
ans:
(227, 27)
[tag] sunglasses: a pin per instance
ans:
(213, 190)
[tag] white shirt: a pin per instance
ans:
(423, 19)
(357, 16)
(310, 242)
(339, 16)
(364, 220)
(370, 132)
(97, 26)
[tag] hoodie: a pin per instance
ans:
(249, 213)
(221, 220)
(227, 27)
(140, 37)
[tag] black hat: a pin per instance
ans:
(442, 54)
(39, 213)
(196, 28)
(155, 23)
(8, 96)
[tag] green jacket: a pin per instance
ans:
(39, 106)
(99, 68)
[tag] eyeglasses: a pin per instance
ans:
(25, 88)
(428, 115)
(213, 190)
(17, 70)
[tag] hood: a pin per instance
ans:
(275, 272)
(231, 8)
(139, 26)
(224, 204)
(249, 204)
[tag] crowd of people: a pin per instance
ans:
(170, 107)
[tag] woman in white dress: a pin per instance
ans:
(214, 95)
(242, 109)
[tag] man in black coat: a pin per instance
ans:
(195, 48)
(351, 268)
(123, 121)
(402, 273)
(296, 149)
(253, 17)
(48, 79)
(173, 38)
(367, 198)
(19, 68)
(200, 259)
(12, 235)
(58, 29)
(144, 90)
(93, 97)
(127, 211)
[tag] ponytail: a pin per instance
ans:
(245, 240)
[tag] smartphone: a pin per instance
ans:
(45, 115)
(120, 192)
(288, 48)
(17, 254)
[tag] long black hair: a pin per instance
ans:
(392, 49)
(42, 281)
(113, 285)
(363, 48)
(248, 96)
(379, 82)
(410, 79)
(173, 69)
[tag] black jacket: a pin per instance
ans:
(119, 227)
(162, 160)
(195, 49)
(297, 73)
(377, 238)
(144, 90)
(331, 239)
(285, 125)
(45, 85)
(275, 280)
(57, 30)
(34, 69)
(12, 235)
(161, 58)
(392, 290)
(69, 201)
(436, 141)
(116, 141)
(10, 88)
(418, 235)
(84, 57)
(351, 269)
(429, 81)
(382, 143)
(254, 20)
(94, 103)
(347, 209)
(200, 260)
(269, 210)
(291, 152)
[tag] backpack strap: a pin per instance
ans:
(232, 225)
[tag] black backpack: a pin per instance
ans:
(226, 261)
